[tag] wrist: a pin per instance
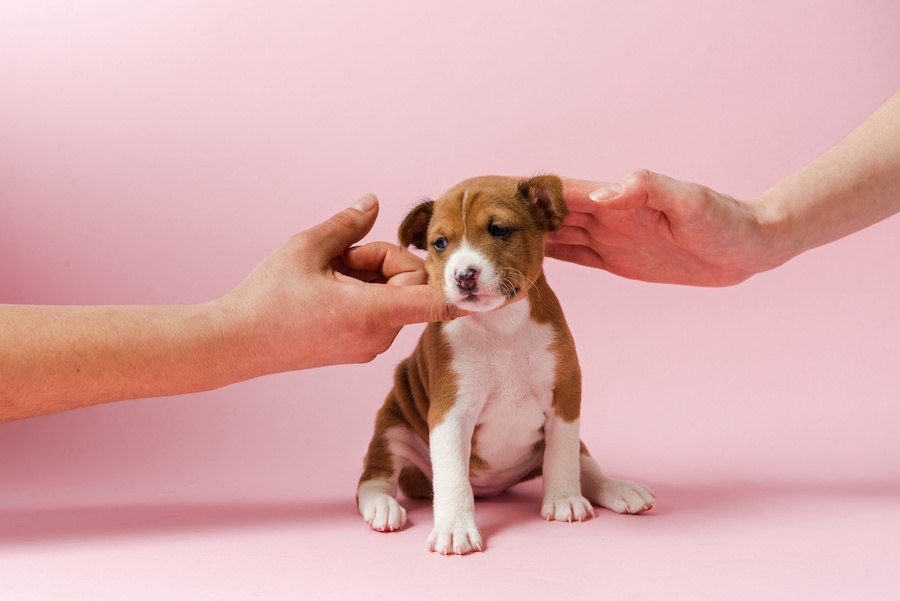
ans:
(777, 243)
(228, 343)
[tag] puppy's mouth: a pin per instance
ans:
(484, 299)
(473, 297)
(480, 286)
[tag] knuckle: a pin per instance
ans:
(642, 177)
(366, 356)
(446, 312)
(373, 347)
(384, 247)
(382, 345)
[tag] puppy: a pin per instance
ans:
(493, 398)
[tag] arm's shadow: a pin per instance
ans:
(56, 524)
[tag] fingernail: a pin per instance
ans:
(606, 192)
(365, 204)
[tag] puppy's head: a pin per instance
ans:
(485, 237)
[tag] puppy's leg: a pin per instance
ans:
(620, 496)
(562, 498)
(376, 495)
(454, 530)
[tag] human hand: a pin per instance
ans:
(318, 301)
(653, 228)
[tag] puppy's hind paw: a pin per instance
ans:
(623, 496)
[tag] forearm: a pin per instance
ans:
(850, 187)
(58, 358)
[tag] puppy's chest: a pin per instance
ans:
(506, 374)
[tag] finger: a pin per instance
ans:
(584, 220)
(645, 188)
(582, 255)
(340, 269)
(367, 277)
(570, 234)
(388, 259)
(577, 195)
(343, 229)
(412, 304)
(412, 278)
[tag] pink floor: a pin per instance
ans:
(196, 498)
(745, 540)
(153, 152)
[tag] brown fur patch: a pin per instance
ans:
(545, 308)
(415, 484)
(415, 225)
(476, 463)
(424, 390)
(379, 464)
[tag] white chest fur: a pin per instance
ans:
(505, 374)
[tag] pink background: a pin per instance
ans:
(153, 152)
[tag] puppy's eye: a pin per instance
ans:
(440, 244)
(498, 231)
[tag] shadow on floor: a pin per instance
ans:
(698, 499)
(55, 524)
(685, 502)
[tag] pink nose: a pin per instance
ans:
(467, 280)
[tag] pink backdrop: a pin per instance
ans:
(153, 152)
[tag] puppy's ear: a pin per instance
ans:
(545, 193)
(415, 227)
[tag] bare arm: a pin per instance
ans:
(314, 302)
(56, 358)
(850, 187)
(654, 228)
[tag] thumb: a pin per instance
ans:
(404, 305)
(641, 188)
(344, 229)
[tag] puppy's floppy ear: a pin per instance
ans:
(545, 193)
(415, 227)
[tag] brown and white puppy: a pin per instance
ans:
(493, 398)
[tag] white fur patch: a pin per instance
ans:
(505, 373)
(454, 507)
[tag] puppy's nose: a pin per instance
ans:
(467, 280)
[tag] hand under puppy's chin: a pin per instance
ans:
(483, 302)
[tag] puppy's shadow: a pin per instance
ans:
(507, 510)
(513, 508)
(680, 503)
(721, 498)
(25, 526)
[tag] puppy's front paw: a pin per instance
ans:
(566, 508)
(458, 535)
(623, 496)
(382, 512)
